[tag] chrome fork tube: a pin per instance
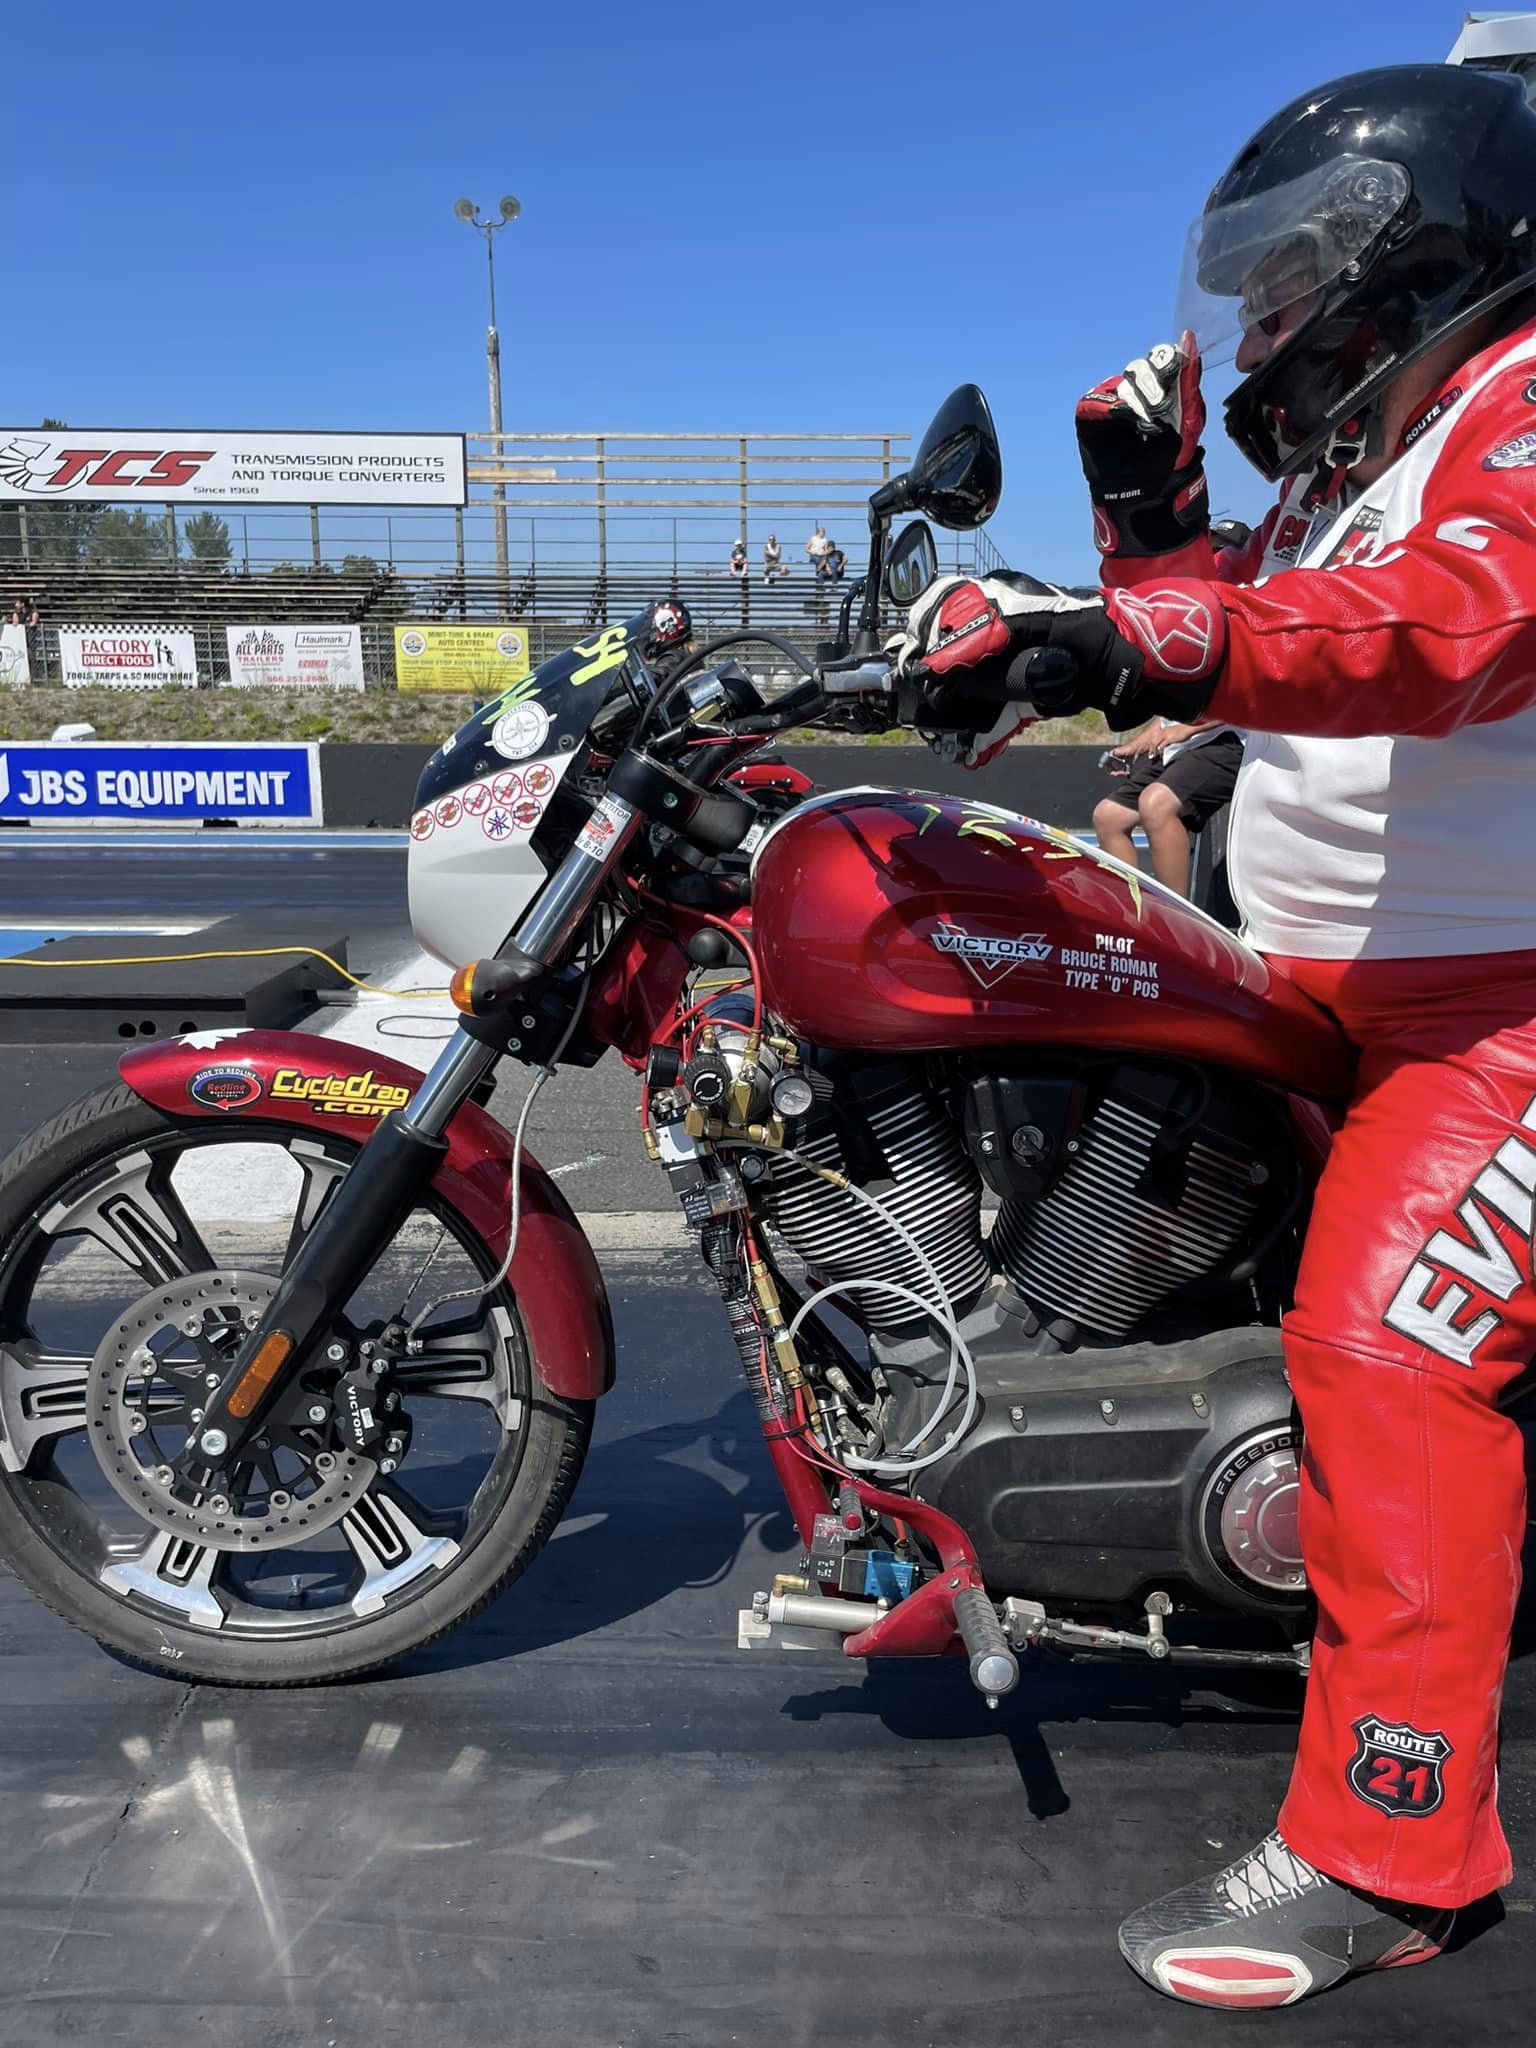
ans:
(462, 1062)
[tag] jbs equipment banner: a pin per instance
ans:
(481, 660)
(296, 657)
(117, 465)
(169, 782)
(126, 658)
(14, 668)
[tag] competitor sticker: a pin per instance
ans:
(448, 812)
(608, 819)
(988, 960)
(1517, 454)
(496, 824)
(539, 780)
(423, 825)
(521, 732)
(339, 1094)
(477, 800)
(225, 1087)
(1397, 1768)
(507, 787)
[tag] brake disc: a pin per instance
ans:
(147, 1386)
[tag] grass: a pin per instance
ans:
(387, 716)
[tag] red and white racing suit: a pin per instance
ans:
(1380, 853)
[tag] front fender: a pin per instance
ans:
(316, 1083)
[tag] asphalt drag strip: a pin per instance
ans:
(588, 1818)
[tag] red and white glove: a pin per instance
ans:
(1126, 653)
(1139, 438)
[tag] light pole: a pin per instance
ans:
(466, 210)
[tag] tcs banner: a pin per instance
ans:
(169, 782)
(126, 658)
(116, 465)
(296, 657)
(480, 660)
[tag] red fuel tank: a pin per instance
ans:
(903, 922)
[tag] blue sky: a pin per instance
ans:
(763, 216)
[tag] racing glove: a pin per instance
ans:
(1126, 653)
(1139, 438)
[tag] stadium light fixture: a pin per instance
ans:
(467, 211)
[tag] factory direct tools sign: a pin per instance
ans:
(116, 465)
(126, 658)
(296, 657)
(482, 660)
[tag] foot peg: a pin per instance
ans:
(994, 1668)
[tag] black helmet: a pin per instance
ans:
(671, 626)
(1399, 203)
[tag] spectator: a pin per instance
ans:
(1174, 779)
(33, 618)
(773, 559)
(836, 561)
(18, 612)
(739, 560)
(818, 547)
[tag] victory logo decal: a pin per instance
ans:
(1396, 1768)
(989, 960)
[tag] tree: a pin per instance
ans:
(360, 565)
(207, 539)
(132, 539)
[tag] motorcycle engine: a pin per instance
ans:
(1135, 1428)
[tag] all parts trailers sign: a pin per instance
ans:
(116, 465)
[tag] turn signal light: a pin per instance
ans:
(461, 990)
(260, 1373)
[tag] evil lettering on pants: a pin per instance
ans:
(1431, 1303)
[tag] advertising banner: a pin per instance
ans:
(126, 658)
(115, 465)
(296, 657)
(14, 668)
(482, 660)
(160, 782)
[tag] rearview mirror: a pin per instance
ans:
(957, 473)
(911, 565)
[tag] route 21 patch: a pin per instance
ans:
(1517, 454)
(1397, 1768)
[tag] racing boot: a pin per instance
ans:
(1270, 1929)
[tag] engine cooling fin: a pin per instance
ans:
(1110, 1241)
(934, 1193)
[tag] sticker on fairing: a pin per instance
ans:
(520, 733)
(604, 826)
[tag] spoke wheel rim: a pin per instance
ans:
(399, 1547)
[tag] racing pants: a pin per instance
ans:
(1415, 1312)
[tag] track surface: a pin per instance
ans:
(588, 1818)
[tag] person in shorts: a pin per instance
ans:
(1170, 780)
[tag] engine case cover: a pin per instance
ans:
(1095, 1478)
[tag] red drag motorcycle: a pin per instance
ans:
(998, 1154)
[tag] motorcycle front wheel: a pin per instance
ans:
(126, 1234)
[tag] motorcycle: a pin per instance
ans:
(998, 1154)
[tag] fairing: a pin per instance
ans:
(496, 805)
(555, 1277)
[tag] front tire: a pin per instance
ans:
(114, 1179)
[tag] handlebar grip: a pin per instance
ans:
(994, 1667)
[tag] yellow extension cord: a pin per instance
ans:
(405, 995)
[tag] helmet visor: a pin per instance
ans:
(1262, 261)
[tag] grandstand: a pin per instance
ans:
(563, 533)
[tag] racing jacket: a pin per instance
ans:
(1382, 660)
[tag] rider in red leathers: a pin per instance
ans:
(1377, 642)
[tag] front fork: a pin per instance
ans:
(386, 1182)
